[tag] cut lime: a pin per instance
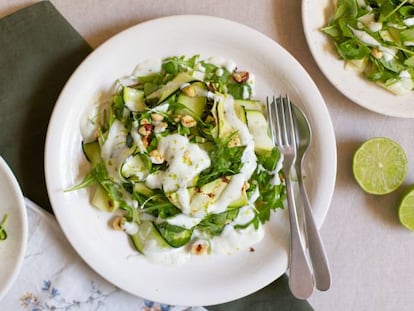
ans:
(379, 165)
(406, 209)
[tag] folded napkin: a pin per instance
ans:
(39, 50)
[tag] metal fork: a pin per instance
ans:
(282, 128)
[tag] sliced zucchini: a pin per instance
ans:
(92, 152)
(240, 112)
(171, 87)
(207, 195)
(241, 201)
(136, 167)
(196, 104)
(134, 99)
(175, 236)
(225, 128)
(102, 201)
(147, 232)
(143, 189)
(259, 129)
(249, 104)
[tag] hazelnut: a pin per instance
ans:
(240, 76)
(145, 129)
(188, 121)
(200, 247)
(156, 157)
(189, 90)
(156, 117)
(117, 223)
(376, 53)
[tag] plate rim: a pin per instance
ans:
(49, 137)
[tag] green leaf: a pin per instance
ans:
(213, 224)
(407, 35)
(353, 49)
(225, 161)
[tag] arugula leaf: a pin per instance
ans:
(353, 49)
(271, 195)
(213, 224)
(225, 161)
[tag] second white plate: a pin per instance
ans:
(315, 15)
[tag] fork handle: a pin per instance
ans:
(300, 275)
(316, 250)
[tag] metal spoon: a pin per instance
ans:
(316, 250)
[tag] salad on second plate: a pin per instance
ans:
(376, 38)
(182, 156)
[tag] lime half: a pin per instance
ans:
(379, 165)
(406, 209)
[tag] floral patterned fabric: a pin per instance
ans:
(54, 277)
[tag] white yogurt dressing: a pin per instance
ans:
(369, 21)
(114, 151)
(222, 62)
(148, 67)
(388, 53)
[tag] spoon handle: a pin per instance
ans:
(316, 250)
(300, 274)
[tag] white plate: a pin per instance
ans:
(202, 281)
(316, 14)
(12, 249)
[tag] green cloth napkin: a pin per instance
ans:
(39, 50)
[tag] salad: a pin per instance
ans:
(181, 155)
(376, 39)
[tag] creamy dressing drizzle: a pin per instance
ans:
(388, 53)
(114, 151)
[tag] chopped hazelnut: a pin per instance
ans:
(145, 129)
(117, 223)
(240, 76)
(200, 247)
(189, 90)
(188, 121)
(376, 53)
(156, 157)
(156, 117)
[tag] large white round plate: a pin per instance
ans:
(201, 281)
(12, 249)
(316, 14)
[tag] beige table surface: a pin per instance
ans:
(371, 255)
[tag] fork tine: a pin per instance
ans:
(290, 124)
(280, 121)
(270, 119)
(273, 121)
